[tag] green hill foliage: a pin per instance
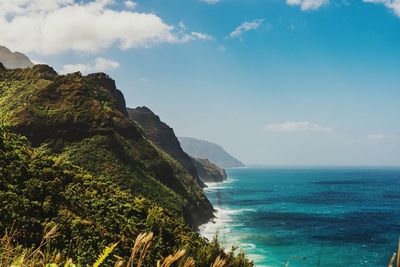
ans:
(84, 165)
(84, 120)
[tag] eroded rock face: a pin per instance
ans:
(105, 81)
(164, 137)
(14, 60)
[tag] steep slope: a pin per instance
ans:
(163, 136)
(14, 60)
(38, 191)
(207, 150)
(209, 172)
(84, 120)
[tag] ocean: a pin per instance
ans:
(308, 216)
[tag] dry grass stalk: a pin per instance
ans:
(392, 260)
(168, 261)
(47, 236)
(142, 244)
(189, 262)
(219, 262)
(398, 255)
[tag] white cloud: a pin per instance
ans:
(130, 4)
(393, 5)
(98, 65)
(246, 26)
(186, 37)
(210, 2)
(58, 26)
(202, 36)
(296, 126)
(307, 4)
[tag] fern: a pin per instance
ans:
(104, 254)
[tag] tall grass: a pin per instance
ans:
(12, 255)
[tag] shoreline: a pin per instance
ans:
(224, 221)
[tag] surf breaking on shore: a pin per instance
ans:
(225, 221)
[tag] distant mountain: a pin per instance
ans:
(14, 60)
(162, 136)
(207, 150)
(209, 172)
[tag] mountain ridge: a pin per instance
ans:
(215, 153)
(163, 136)
(14, 60)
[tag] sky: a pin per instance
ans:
(275, 82)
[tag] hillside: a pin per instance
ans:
(163, 136)
(40, 191)
(13, 60)
(84, 120)
(209, 172)
(207, 150)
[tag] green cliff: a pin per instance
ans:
(209, 172)
(39, 191)
(164, 137)
(86, 166)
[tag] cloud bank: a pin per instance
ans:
(210, 2)
(58, 26)
(307, 4)
(297, 126)
(393, 5)
(98, 65)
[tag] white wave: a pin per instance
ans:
(212, 186)
(222, 225)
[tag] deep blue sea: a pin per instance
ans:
(309, 216)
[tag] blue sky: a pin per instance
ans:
(297, 82)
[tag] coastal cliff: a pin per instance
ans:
(207, 150)
(84, 120)
(71, 157)
(209, 172)
(164, 137)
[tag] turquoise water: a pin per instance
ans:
(309, 217)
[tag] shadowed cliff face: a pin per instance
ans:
(209, 172)
(14, 60)
(164, 137)
(84, 119)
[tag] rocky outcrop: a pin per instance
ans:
(209, 172)
(14, 60)
(207, 150)
(164, 137)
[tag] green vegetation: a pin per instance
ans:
(85, 168)
(84, 120)
(43, 255)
